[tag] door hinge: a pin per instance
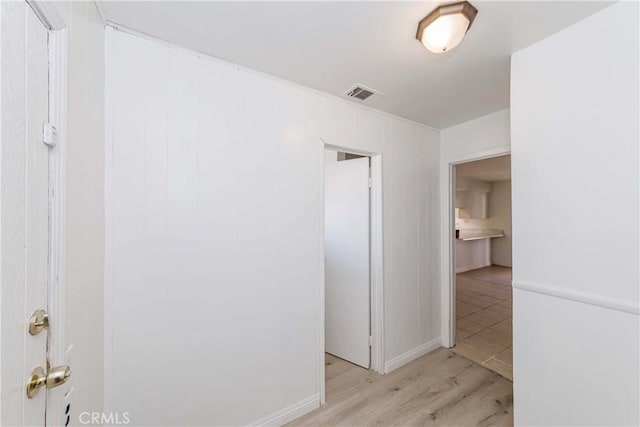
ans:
(49, 134)
(370, 183)
(370, 341)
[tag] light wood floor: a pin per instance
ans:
(441, 388)
(483, 318)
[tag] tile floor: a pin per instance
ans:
(483, 318)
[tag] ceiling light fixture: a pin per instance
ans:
(445, 27)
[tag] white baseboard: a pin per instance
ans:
(411, 355)
(290, 413)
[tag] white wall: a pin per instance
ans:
(500, 218)
(486, 136)
(214, 235)
(84, 207)
(575, 120)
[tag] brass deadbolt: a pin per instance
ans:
(39, 320)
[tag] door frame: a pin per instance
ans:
(376, 265)
(58, 60)
(448, 233)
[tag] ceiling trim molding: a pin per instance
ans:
(101, 13)
(48, 14)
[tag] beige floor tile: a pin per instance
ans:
(499, 367)
(495, 337)
(485, 335)
(493, 313)
(500, 309)
(487, 318)
(504, 296)
(465, 297)
(485, 301)
(462, 334)
(469, 325)
(508, 304)
(506, 356)
(484, 346)
(504, 326)
(470, 352)
(471, 308)
(465, 309)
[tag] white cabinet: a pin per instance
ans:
(472, 254)
(473, 196)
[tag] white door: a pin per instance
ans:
(24, 226)
(347, 306)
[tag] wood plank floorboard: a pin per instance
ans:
(441, 388)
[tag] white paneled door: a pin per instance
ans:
(24, 242)
(347, 306)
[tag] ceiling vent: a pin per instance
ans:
(362, 93)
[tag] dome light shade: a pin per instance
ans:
(445, 27)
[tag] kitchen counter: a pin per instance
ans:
(477, 234)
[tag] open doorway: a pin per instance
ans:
(349, 277)
(351, 334)
(482, 307)
(347, 258)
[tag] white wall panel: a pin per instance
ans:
(84, 202)
(590, 158)
(182, 146)
(484, 134)
(216, 249)
(574, 363)
(575, 129)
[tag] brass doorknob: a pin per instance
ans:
(53, 378)
(37, 380)
(58, 376)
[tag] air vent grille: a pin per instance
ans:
(361, 92)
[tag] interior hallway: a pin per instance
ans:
(438, 389)
(484, 319)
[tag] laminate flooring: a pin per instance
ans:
(441, 388)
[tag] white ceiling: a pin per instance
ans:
(329, 46)
(493, 169)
